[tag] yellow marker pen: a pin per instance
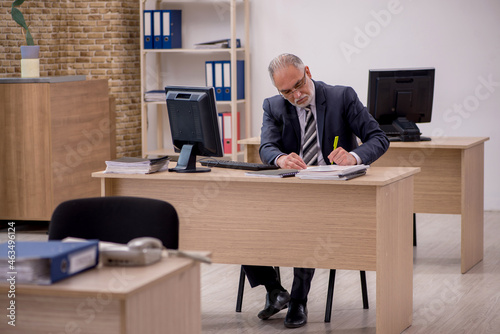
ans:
(335, 142)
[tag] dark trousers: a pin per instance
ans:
(263, 275)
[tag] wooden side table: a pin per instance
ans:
(55, 132)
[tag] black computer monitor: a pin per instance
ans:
(192, 113)
(399, 98)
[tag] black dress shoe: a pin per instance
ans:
(296, 315)
(275, 302)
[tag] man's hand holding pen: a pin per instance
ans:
(341, 157)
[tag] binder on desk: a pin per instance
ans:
(157, 24)
(171, 33)
(227, 133)
(46, 262)
(148, 29)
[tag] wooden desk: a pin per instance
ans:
(451, 182)
(361, 224)
(161, 298)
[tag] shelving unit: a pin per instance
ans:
(153, 114)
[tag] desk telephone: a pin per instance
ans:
(143, 251)
(138, 252)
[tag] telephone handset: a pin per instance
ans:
(143, 251)
(145, 243)
(138, 252)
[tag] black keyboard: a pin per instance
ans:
(236, 164)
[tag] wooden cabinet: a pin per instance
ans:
(54, 133)
(186, 66)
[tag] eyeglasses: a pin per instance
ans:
(288, 92)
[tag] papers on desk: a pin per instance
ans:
(131, 165)
(45, 262)
(155, 96)
(332, 172)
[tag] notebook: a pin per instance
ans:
(273, 173)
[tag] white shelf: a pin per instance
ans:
(153, 58)
(171, 152)
(222, 103)
(228, 50)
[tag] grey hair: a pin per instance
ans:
(283, 61)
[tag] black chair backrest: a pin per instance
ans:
(116, 219)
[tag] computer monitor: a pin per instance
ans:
(399, 98)
(192, 113)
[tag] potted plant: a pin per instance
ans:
(30, 64)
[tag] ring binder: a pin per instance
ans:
(148, 29)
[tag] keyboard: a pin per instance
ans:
(236, 164)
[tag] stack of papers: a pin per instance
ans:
(130, 165)
(332, 172)
(155, 96)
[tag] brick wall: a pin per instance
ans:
(99, 39)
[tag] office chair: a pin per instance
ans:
(329, 296)
(116, 219)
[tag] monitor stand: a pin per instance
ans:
(408, 131)
(187, 162)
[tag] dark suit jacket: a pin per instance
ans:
(339, 113)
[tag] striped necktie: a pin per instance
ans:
(310, 146)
